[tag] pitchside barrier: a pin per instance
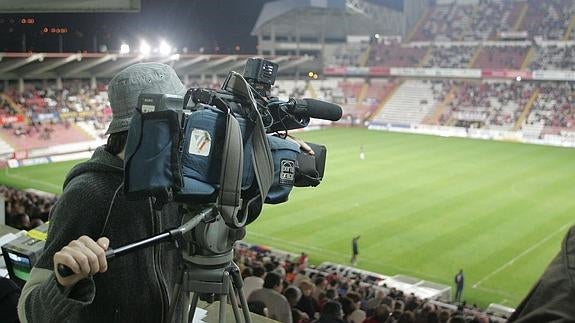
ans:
(566, 139)
(56, 153)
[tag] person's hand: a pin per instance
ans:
(85, 257)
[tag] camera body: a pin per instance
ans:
(214, 146)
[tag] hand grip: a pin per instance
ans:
(65, 271)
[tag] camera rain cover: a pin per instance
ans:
(151, 166)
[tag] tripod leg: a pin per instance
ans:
(223, 303)
(176, 294)
(245, 308)
(190, 311)
(234, 301)
(238, 284)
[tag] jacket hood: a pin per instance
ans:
(101, 161)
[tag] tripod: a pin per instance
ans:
(211, 283)
(207, 269)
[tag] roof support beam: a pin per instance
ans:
(50, 66)
(212, 64)
(21, 63)
(89, 65)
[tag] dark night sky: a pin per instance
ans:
(183, 23)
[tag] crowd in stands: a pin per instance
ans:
(346, 55)
(490, 18)
(47, 108)
(501, 57)
(25, 210)
(396, 55)
(287, 290)
(6, 109)
(450, 57)
(553, 58)
(444, 23)
(467, 22)
(548, 19)
(486, 20)
(487, 104)
(555, 107)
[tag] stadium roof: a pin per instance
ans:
(335, 18)
(15, 66)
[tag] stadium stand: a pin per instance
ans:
(396, 55)
(553, 58)
(49, 114)
(548, 19)
(25, 209)
(456, 56)
(411, 103)
(345, 54)
(464, 22)
(494, 105)
(501, 57)
(554, 109)
(444, 23)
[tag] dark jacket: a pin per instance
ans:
(136, 286)
(9, 293)
(552, 298)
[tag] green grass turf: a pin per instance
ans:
(424, 206)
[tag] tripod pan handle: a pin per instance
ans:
(65, 271)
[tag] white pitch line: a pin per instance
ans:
(526, 251)
(31, 180)
(498, 292)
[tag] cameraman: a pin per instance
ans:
(93, 213)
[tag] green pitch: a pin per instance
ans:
(424, 206)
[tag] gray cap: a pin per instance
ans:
(128, 84)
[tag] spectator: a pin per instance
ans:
(381, 314)
(331, 313)
(293, 296)
(306, 302)
(357, 315)
(278, 306)
(254, 282)
(258, 307)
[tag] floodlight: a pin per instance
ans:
(165, 48)
(124, 49)
(145, 48)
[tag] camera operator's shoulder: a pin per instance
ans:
(92, 186)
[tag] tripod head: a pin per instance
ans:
(210, 243)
